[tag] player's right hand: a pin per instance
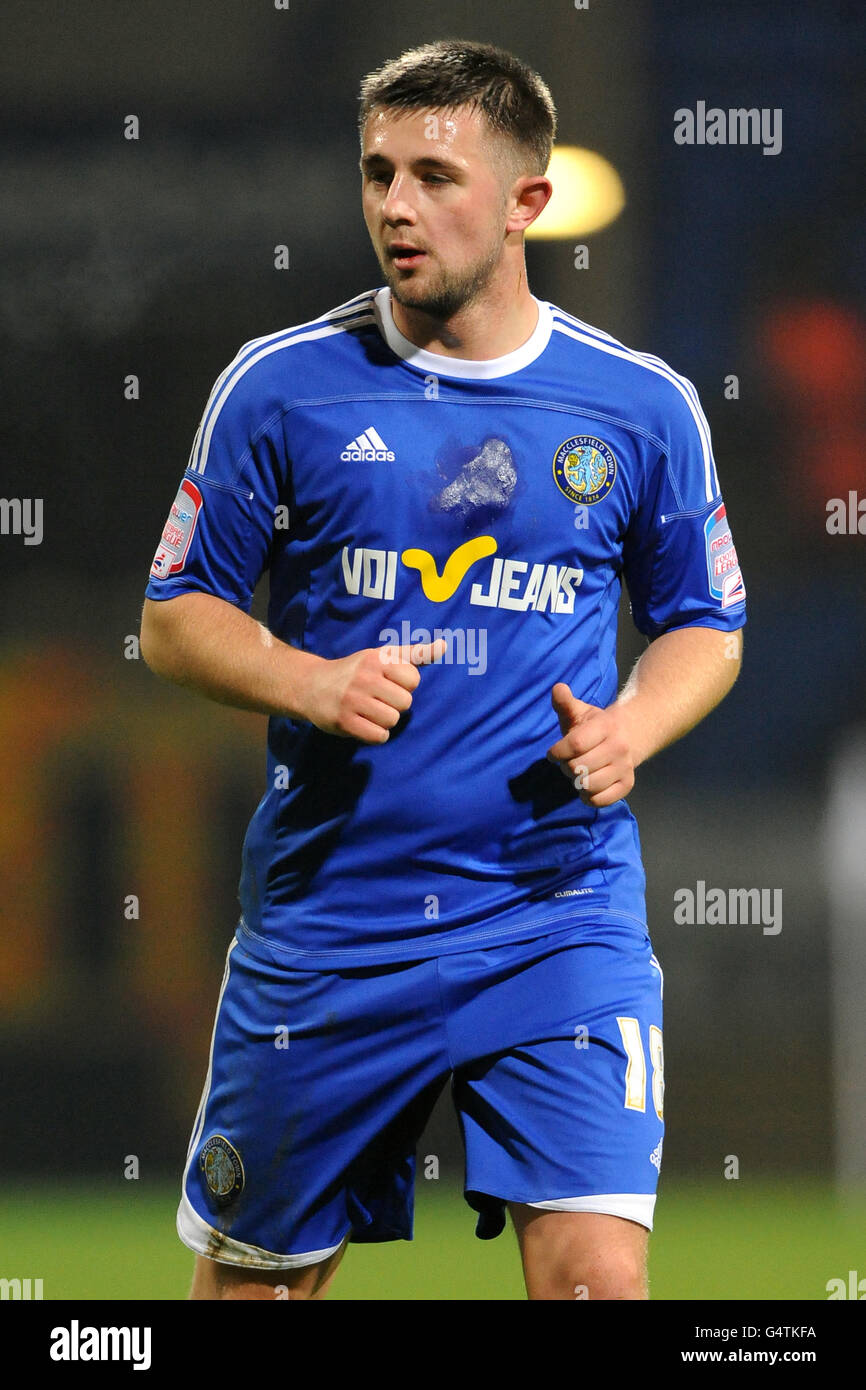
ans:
(362, 696)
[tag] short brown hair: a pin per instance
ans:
(459, 72)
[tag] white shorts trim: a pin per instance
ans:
(635, 1206)
(199, 1119)
(205, 1239)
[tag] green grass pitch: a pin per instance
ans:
(728, 1241)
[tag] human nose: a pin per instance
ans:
(397, 206)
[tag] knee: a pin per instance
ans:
(621, 1275)
(600, 1276)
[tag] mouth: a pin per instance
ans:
(404, 255)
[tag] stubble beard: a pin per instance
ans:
(451, 291)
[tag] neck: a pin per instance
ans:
(497, 322)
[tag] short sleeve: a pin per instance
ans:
(679, 558)
(219, 531)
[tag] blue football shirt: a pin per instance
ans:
(394, 495)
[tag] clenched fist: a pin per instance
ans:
(363, 695)
(595, 751)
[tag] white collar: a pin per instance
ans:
(442, 365)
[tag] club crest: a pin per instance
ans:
(223, 1171)
(584, 469)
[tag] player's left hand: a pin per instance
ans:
(595, 751)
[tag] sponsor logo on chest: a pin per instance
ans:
(519, 585)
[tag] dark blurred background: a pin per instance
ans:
(125, 800)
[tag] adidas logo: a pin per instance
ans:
(368, 446)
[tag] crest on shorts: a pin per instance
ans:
(223, 1171)
(584, 469)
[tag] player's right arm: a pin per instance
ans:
(216, 544)
(204, 642)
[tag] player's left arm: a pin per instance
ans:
(675, 683)
(687, 597)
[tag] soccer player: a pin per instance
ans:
(447, 480)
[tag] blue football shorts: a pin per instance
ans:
(320, 1084)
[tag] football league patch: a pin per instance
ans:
(178, 531)
(723, 567)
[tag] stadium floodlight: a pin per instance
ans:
(588, 194)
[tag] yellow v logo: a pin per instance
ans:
(439, 587)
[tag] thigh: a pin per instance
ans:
(214, 1280)
(581, 1255)
(318, 1087)
(562, 1103)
